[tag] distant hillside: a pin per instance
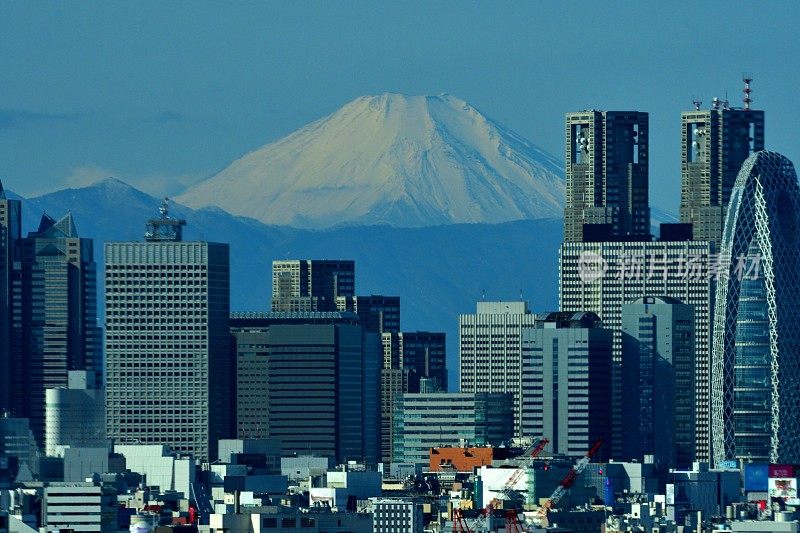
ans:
(439, 272)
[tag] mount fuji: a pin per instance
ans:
(402, 161)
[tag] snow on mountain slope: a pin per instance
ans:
(400, 160)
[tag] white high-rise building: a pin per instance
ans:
(566, 379)
(168, 364)
(490, 350)
(604, 276)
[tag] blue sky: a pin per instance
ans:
(163, 95)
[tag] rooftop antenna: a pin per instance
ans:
(483, 295)
(726, 103)
(715, 103)
(747, 78)
(164, 228)
(697, 103)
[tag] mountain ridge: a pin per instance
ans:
(439, 272)
(406, 161)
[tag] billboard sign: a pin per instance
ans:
(756, 478)
(781, 471)
(784, 489)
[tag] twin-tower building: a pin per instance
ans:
(730, 258)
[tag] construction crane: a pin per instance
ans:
(459, 522)
(512, 524)
(570, 478)
(511, 517)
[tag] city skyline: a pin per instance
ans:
(403, 313)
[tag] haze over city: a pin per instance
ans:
(399, 268)
(100, 89)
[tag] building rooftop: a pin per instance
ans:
(566, 319)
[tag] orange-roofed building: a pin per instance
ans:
(464, 459)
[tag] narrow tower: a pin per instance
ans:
(714, 144)
(607, 176)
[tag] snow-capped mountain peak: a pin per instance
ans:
(390, 159)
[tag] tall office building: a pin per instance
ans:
(10, 235)
(423, 353)
(249, 332)
(601, 277)
(490, 350)
(756, 324)
(168, 367)
(425, 421)
(323, 383)
(714, 144)
(566, 381)
(607, 176)
(252, 386)
(394, 383)
(376, 313)
(408, 358)
(311, 284)
(658, 352)
(56, 316)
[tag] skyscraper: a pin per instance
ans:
(324, 390)
(376, 313)
(292, 357)
(10, 235)
(490, 350)
(658, 366)
(311, 284)
(408, 358)
(607, 176)
(756, 384)
(601, 277)
(168, 366)
(56, 316)
(252, 385)
(714, 144)
(566, 381)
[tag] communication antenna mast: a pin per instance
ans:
(697, 103)
(164, 228)
(747, 78)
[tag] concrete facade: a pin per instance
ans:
(714, 144)
(168, 367)
(658, 365)
(490, 350)
(75, 416)
(607, 175)
(602, 277)
(566, 381)
(311, 284)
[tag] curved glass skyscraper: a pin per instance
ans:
(756, 351)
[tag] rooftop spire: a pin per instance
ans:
(164, 228)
